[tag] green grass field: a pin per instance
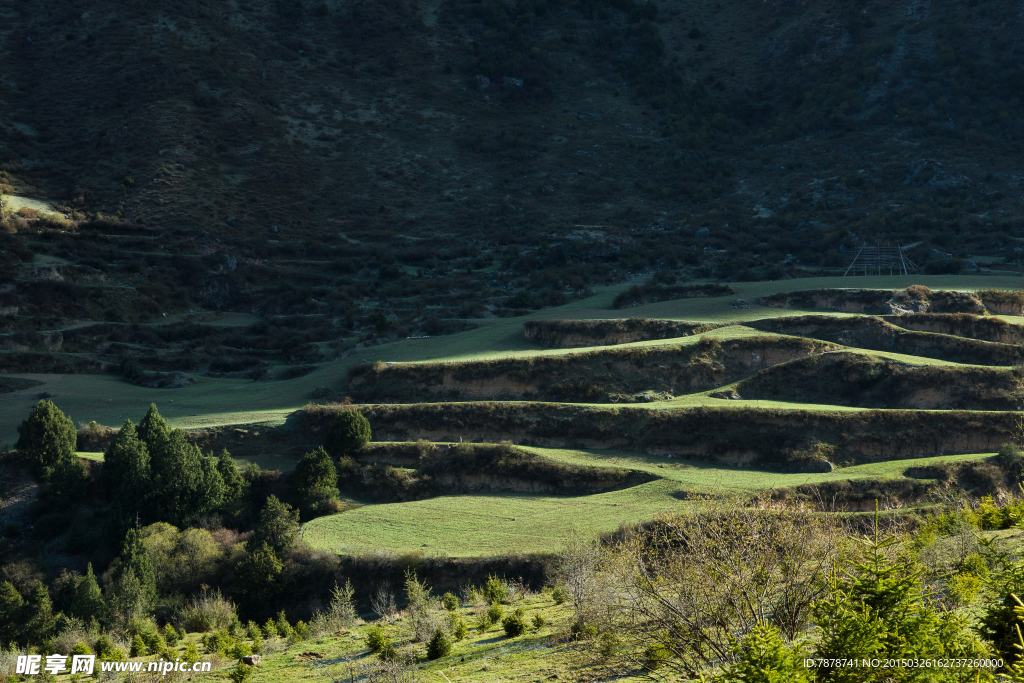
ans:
(473, 525)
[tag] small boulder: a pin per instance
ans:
(251, 660)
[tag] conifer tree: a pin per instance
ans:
(126, 470)
(88, 603)
(877, 610)
(47, 437)
(186, 483)
(258, 575)
(277, 528)
(153, 429)
(234, 484)
(135, 559)
(128, 598)
(41, 621)
(70, 479)
(315, 478)
(11, 604)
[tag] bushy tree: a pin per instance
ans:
(349, 432)
(183, 559)
(277, 527)
(186, 483)
(315, 480)
(47, 437)
(258, 576)
(88, 603)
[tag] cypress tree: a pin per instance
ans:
(126, 471)
(88, 603)
(315, 478)
(11, 604)
(258, 575)
(128, 598)
(47, 437)
(70, 478)
(229, 474)
(186, 483)
(277, 528)
(41, 620)
(135, 559)
(153, 429)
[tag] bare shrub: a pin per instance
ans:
(397, 670)
(577, 569)
(383, 602)
(208, 611)
(72, 633)
(696, 581)
(9, 662)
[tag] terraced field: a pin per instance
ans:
(472, 525)
(210, 402)
(722, 395)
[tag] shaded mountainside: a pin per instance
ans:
(615, 375)
(724, 139)
(851, 379)
(873, 332)
(788, 440)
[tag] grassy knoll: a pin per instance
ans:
(474, 525)
(211, 402)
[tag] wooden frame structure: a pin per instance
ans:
(876, 259)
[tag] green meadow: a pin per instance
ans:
(473, 525)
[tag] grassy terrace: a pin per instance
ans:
(212, 402)
(470, 525)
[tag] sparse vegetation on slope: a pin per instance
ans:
(610, 375)
(874, 332)
(567, 334)
(860, 380)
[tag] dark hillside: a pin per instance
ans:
(785, 128)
